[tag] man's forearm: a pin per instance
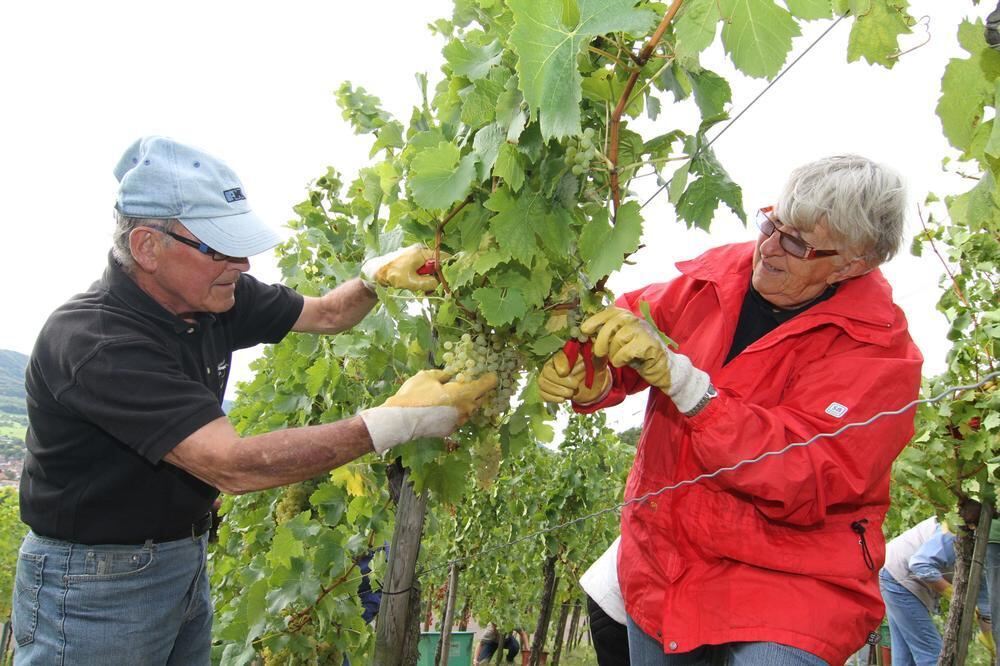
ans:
(337, 310)
(296, 454)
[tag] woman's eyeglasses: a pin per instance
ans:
(793, 245)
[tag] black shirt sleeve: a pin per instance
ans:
(262, 313)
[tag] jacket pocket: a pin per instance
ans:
(27, 585)
(832, 550)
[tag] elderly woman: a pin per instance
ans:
(774, 562)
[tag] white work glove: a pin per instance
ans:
(399, 269)
(626, 339)
(426, 405)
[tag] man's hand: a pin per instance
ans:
(406, 268)
(558, 382)
(628, 340)
(426, 405)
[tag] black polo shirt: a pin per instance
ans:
(113, 384)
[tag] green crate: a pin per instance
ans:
(459, 652)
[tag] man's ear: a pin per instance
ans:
(854, 268)
(145, 245)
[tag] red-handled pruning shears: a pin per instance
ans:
(429, 268)
(573, 349)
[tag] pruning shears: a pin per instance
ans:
(573, 350)
(429, 268)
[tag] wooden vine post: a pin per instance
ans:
(393, 633)
(444, 645)
(560, 634)
(545, 616)
(960, 625)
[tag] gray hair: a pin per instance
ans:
(862, 202)
(124, 225)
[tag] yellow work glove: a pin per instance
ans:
(558, 382)
(625, 339)
(407, 268)
(628, 340)
(426, 405)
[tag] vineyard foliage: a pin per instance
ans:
(535, 489)
(516, 162)
(955, 452)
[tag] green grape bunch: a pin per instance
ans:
(294, 500)
(580, 154)
(476, 353)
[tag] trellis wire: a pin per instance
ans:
(704, 477)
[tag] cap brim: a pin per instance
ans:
(242, 235)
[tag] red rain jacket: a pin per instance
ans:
(766, 552)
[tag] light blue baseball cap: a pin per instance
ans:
(162, 179)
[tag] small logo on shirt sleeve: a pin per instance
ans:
(836, 410)
(234, 195)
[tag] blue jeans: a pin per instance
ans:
(914, 638)
(138, 605)
(644, 650)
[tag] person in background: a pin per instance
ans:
(773, 343)
(128, 446)
(919, 564)
(490, 643)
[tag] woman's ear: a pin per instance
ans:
(854, 268)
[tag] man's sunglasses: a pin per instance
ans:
(201, 247)
(793, 245)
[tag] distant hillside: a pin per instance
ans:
(12, 365)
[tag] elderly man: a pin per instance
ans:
(128, 446)
(779, 340)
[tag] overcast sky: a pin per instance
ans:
(253, 83)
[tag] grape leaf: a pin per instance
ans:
(509, 166)
(992, 147)
(713, 186)
(603, 247)
(318, 375)
(478, 106)
(284, 547)
(875, 35)
(695, 27)
(500, 306)
(809, 9)
(470, 60)
(967, 86)
(757, 35)
(547, 345)
(439, 177)
(389, 135)
(711, 92)
(547, 52)
(512, 224)
(486, 145)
